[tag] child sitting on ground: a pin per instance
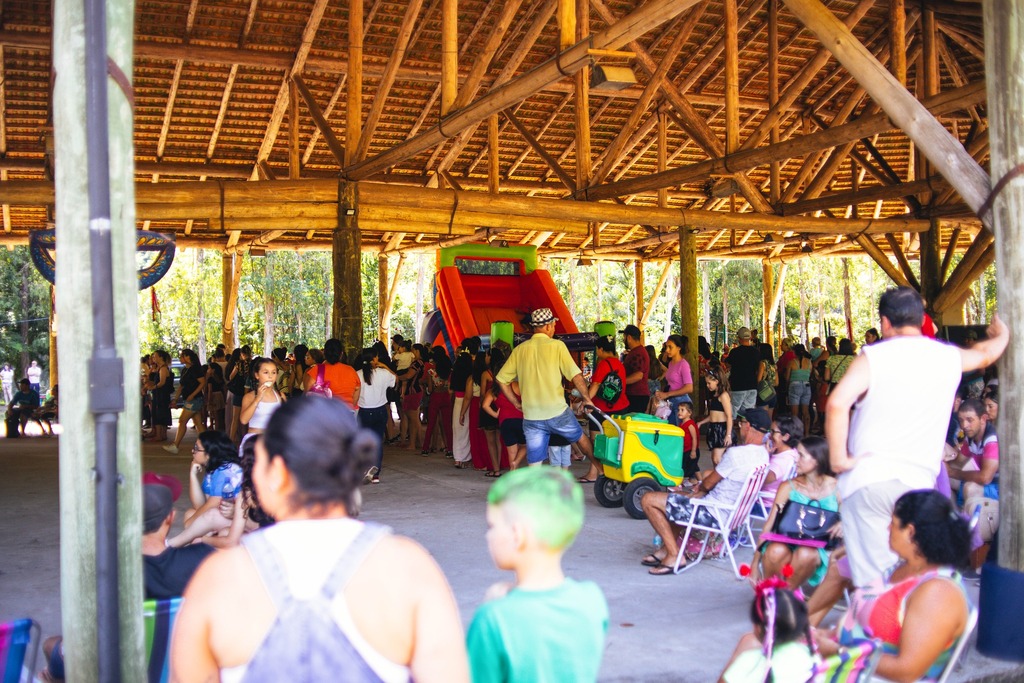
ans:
(780, 648)
(545, 626)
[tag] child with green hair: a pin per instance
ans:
(545, 626)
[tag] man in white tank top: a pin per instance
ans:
(901, 391)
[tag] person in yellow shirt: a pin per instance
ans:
(540, 364)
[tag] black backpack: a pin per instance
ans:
(610, 388)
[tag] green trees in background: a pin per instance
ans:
(285, 298)
(25, 307)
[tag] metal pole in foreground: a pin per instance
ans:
(106, 371)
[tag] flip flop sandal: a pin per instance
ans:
(662, 570)
(650, 561)
(584, 480)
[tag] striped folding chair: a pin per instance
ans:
(855, 663)
(158, 617)
(19, 645)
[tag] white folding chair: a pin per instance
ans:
(958, 649)
(766, 500)
(734, 516)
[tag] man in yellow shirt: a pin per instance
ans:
(539, 364)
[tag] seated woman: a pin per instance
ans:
(780, 647)
(318, 591)
(920, 608)
(215, 476)
(813, 485)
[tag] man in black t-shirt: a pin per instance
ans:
(165, 571)
(743, 363)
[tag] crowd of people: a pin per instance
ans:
(341, 595)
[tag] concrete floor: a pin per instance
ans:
(670, 628)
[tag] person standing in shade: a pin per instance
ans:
(35, 376)
(901, 392)
(638, 367)
(744, 362)
(7, 380)
(540, 364)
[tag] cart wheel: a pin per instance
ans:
(635, 491)
(608, 492)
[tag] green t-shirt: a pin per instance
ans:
(553, 635)
(790, 662)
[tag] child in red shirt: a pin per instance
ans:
(691, 440)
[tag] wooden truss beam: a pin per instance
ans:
(646, 17)
(943, 103)
(930, 136)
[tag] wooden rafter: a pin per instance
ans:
(951, 100)
(948, 156)
(535, 145)
(380, 97)
(298, 64)
(616, 150)
(695, 123)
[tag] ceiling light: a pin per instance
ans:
(605, 78)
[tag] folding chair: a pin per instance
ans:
(961, 643)
(18, 650)
(158, 618)
(731, 517)
(766, 500)
(855, 663)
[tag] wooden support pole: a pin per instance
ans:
(392, 293)
(382, 297)
(898, 40)
(658, 289)
(294, 153)
(732, 77)
(77, 445)
(231, 276)
(767, 290)
(493, 154)
(931, 138)
(566, 24)
(777, 292)
(774, 180)
(931, 282)
(449, 54)
(689, 308)
(354, 84)
(662, 155)
(347, 312)
(638, 291)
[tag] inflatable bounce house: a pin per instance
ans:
(488, 291)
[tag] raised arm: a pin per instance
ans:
(988, 350)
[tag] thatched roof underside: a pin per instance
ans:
(208, 73)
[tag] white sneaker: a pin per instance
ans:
(170, 448)
(370, 474)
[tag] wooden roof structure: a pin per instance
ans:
(741, 125)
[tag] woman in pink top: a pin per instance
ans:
(678, 375)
